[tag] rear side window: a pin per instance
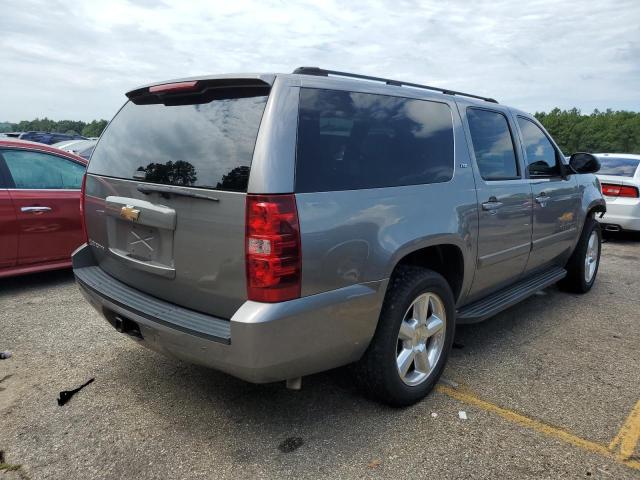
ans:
(624, 167)
(206, 145)
(492, 144)
(39, 171)
(350, 141)
(541, 156)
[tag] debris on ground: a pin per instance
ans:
(449, 383)
(6, 354)
(434, 414)
(7, 467)
(66, 395)
(462, 415)
(291, 444)
(375, 463)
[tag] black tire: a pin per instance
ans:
(377, 372)
(575, 280)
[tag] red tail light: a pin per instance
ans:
(82, 208)
(619, 190)
(273, 254)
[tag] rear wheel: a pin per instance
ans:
(582, 267)
(415, 331)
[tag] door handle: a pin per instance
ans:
(542, 199)
(35, 209)
(492, 205)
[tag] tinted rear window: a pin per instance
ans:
(352, 141)
(624, 167)
(492, 144)
(206, 145)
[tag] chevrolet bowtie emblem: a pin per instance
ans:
(130, 213)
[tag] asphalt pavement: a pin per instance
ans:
(550, 389)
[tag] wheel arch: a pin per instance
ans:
(446, 258)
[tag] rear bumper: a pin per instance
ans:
(261, 343)
(624, 213)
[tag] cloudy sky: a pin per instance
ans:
(75, 60)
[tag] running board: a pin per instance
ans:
(505, 298)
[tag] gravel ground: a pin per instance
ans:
(569, 361)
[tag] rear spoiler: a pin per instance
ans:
(200, 90)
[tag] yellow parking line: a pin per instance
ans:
(629, 435)
(549, 430)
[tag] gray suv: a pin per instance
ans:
(276, 225)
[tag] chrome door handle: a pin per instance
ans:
(542, 199)
(491, 206)
(35, 209)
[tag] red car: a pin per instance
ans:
(39, 207)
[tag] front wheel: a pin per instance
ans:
(582, 267)
(412, 341)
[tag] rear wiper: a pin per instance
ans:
(165, 190)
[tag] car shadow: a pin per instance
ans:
(273, 408)
(211, 406)
(35, 281)
(622, 238)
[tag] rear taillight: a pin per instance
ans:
(82, 208)
(619, 190)
(272, 246)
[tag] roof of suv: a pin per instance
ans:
(302, 74)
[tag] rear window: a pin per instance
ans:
(205, 145)
(492, 144)
(350, 141)
(623, 167)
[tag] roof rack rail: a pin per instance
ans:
(320, 72)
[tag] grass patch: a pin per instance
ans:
(9, 467)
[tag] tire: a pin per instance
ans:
(581, 274)
(377, 372)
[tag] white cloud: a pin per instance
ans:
(77, 59)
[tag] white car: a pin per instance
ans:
(619, 176)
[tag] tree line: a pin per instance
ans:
(87, 129)
(608, 131)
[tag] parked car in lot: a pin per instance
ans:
(83, 148)
(619, 176)
(273, 226)
(49, 138)
(65, 144)
(39, 207)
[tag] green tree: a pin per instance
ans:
(608, 131)
(94, 129)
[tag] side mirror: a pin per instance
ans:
(582, 162)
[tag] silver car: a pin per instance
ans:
(276, 225)
(619, 176)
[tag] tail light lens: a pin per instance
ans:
(83, 209)
(273, 254)
(619, 190)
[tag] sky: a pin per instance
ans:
(76, 59)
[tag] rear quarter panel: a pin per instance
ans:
(358, 236)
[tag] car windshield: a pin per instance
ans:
(624, 167)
